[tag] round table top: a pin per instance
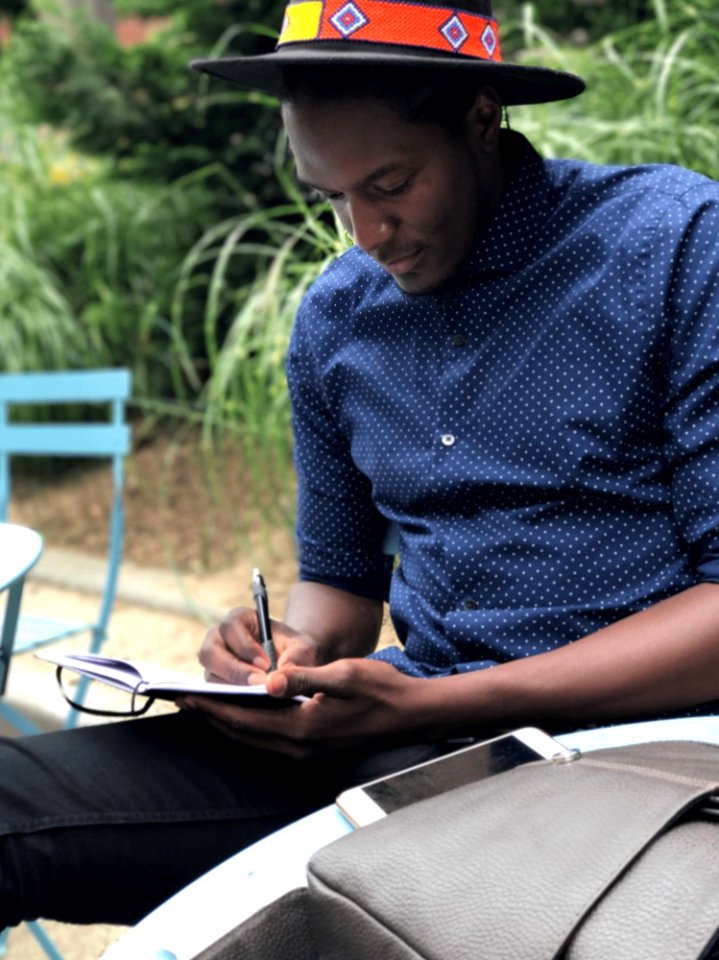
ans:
(20, 548)
(207, 909)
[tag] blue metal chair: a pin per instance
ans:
(108, 440)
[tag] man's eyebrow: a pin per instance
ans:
(367, 181)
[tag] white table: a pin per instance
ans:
(20, 549)
(215, 903)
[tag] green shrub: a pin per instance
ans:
(142, 107)
(88, 262)
(652, 91)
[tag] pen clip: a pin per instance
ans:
(258, 584)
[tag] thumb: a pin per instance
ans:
(306, 681)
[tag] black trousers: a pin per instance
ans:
(101, 824)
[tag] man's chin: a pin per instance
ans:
(416, 283)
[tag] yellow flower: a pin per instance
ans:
(69, 168)
(60, 175)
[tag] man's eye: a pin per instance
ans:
(325, 196)
(396, 190)
(328, 196)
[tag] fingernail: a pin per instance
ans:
(279, 684)
(261, 662)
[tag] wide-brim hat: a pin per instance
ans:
(394, 33)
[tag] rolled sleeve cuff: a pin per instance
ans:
(708, 567)
(374, 588)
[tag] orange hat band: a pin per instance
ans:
(392, 22)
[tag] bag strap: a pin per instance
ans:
(665, 907)
(508, 867)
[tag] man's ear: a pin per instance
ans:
(483, 121)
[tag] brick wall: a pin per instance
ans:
(129, 30)
(133, 30)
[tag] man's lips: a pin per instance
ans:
(402, 263)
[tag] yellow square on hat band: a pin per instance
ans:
(302, 22)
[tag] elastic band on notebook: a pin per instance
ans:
(134, 711)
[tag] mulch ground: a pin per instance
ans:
(185, 507)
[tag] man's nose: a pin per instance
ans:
(370, 225)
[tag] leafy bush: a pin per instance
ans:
(143, 107)
(151, 120)
(578, 21)
(652, 91)
(88, 262)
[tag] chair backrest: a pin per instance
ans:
(106, 440)
(111, 439)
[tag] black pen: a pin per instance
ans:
(262, 605)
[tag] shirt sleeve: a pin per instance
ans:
(339, 530)
(692, 414)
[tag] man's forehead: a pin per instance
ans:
(364, 142)
(307, 108)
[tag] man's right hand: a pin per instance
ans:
(232, 653)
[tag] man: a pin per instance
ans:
(517, 366)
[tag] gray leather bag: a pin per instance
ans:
(614, 856)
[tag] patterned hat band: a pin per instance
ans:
(392, 22)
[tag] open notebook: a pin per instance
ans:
(150, 680)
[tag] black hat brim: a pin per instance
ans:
(515, 84)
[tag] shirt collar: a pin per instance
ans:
(509, 239)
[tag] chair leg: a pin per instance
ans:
(44, 940)
(18, 720)
(40, 935)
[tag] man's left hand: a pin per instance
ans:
(351, 701)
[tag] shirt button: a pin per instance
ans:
(459, 340)
(470, 604)
(448, 440)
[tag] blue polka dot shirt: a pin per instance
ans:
(543, 431)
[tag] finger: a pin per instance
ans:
(255, 678)
(225, 656)
(224, 667)
(335, 680)
(301, 652)
(239, 634)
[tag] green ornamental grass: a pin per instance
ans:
(652, 91)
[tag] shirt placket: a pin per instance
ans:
(453, 441)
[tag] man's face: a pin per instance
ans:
(412, 196)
